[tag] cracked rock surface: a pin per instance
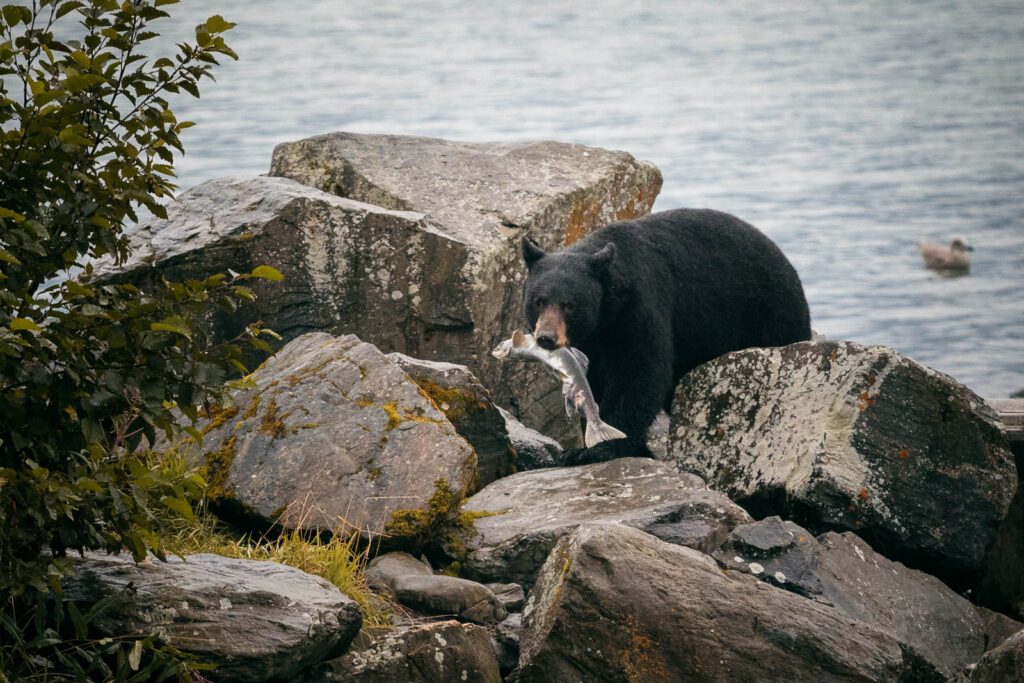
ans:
(530, 511)
(835, 435)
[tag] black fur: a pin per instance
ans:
(649, 300)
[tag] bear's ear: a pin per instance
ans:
(531, 253)
(603, 258)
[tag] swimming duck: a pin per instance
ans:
(953, 258)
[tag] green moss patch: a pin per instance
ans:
(440, 530)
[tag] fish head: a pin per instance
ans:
(563, 295)
(503, 349)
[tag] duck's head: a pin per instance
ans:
(959, 243)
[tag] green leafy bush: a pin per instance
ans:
(89, 371)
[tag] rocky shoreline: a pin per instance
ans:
(823, 511)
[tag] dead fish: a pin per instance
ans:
(953, 258)
(570, 367)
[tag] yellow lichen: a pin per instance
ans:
(252, 408)
(454, 402)
(273, 424)
(217, 415)
(218, 466)
(441, 528)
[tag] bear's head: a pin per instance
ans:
(564, 292)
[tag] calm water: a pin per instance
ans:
(846, 131)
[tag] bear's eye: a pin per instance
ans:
(540, 302)
(567, 306)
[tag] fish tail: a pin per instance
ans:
(598, 432)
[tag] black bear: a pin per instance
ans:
(648, 300)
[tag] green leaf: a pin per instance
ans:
(70, 135)
(178, 505)
(217, 24)
(267, 273)
(14, 215)
(68, 7)
(8, 257)
(81, 628)
(174, 324)
(19, 324)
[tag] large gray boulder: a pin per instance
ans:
(335, 254)
(257, 621)
(842, 571)
(439, 652)
(458, 277)
(615, 604)
(835, 435)
(334, 435)
(524, 515)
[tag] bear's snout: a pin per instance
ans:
(550, 331)
(546, 340)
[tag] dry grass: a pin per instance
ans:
(339, 559)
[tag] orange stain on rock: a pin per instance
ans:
(904, 453)
(864, 401)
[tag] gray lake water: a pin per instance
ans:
(847, 131)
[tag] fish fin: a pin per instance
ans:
(570, 406)
(581, 358)
(519, 339)
(600, 432)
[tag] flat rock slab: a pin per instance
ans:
(257, 621)
(615, 604)
(440, 652)
(842, 571)
(468, 406)
(334, 436)
(839, 436)
(478, 200)
(528, 512)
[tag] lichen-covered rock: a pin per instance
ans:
(1002, 580)
(615, 604)
(333, 436)
(336, 255)
(257, 621)
(524, 515)
(533, 449)
(842, 571)
(835, 435)
(480, 199)
(439, 652)
(468, 406)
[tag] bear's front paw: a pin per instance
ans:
(586, 456)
